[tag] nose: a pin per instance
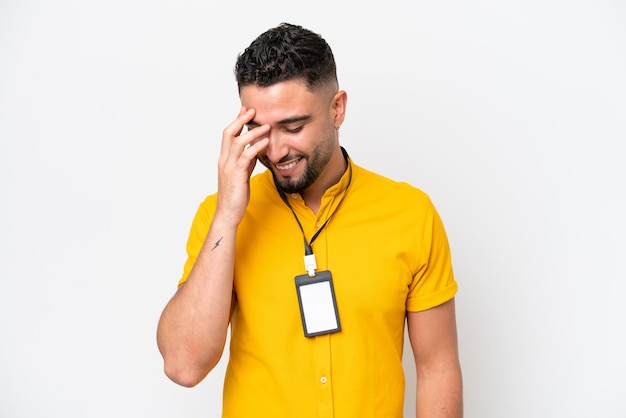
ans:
(277, 146)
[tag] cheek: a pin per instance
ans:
(310, 138)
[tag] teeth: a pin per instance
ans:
(287, 166)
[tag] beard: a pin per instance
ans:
(315, 163)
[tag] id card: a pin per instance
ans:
(318, 307)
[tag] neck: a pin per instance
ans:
(330, 176)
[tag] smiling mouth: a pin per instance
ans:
(288, 166)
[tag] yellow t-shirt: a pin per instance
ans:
(387, 251)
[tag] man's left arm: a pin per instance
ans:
(434, 342)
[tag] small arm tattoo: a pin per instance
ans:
(217, 243)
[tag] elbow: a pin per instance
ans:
(182, 377)
(186, 376)
(188, 373)
(188, 363)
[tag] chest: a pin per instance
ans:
(372, 256)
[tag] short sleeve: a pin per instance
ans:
(433, 283)
(197, 234)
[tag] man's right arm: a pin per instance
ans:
(193, 326)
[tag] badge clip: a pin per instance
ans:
(310, 264)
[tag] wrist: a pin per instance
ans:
(226, 221)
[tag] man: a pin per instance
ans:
(368, 253)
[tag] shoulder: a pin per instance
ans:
(383, 188)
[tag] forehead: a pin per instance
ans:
(281, 100)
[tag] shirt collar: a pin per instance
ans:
(344, 182)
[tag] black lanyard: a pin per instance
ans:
(308, 251)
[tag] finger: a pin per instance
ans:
(251, 153)
(257, 147)
(244, 148)
(234, 128)
(253, 135)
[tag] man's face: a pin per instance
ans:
(302, 135)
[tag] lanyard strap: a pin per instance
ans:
(309, 257)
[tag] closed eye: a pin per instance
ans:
(294, 130)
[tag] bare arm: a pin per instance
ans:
(193, 326)
(434, 343)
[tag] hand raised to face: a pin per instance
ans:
(236, 163)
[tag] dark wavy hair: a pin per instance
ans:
(283, 53)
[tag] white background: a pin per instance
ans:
(511, 115)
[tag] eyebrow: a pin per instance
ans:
(285, 121)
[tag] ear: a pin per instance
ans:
(338, 107)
